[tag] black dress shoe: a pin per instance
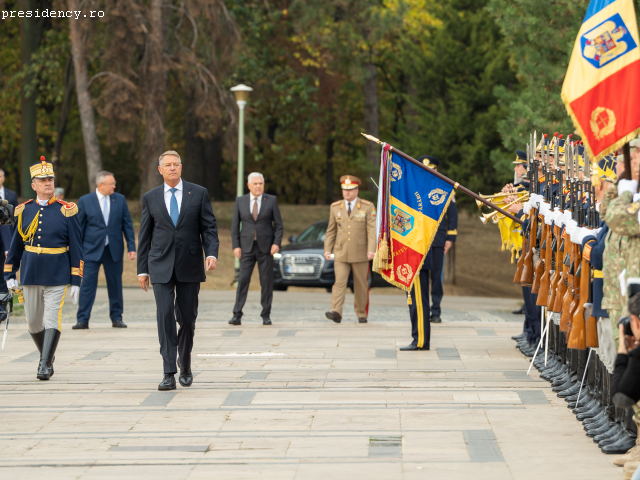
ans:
(168, 382)
(412, 347)
(362, 320)
(520, 311)
(118, 324)
(185, 378)
(628, 441)
(80, 326)
(235, 321)
(519, 337)
(436, 319)
(335, 316)
(266, 321)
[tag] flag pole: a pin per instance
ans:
(456, 185)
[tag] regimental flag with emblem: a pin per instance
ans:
(411, 204)
(601, 89)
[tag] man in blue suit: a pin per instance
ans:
(104, 217)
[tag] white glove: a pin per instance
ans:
(636, 197)
(627, 186)
(75, 292)
(12, 283)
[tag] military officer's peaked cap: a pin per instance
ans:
(429, 160)
(349, 182)
(521, 158)
(42, 169)
(635, 143)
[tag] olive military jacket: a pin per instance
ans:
(351, 237)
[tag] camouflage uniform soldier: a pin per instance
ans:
(351, 235)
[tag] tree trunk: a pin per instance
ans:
(156, 102)
(330, 144)
(64, 110)
(28, 118)
(371, 119)
(87, 118)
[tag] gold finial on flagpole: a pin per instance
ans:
(372, 138)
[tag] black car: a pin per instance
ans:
(302, 263)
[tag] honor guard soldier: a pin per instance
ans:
(47, 249)
(351, 235)
(443, 241)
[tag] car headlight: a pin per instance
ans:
(277, 256)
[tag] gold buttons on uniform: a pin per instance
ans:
(40, 228)
(39, 238)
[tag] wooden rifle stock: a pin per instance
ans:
(539, 268)
(577, 337)
(562, 282)
(592, 332)
(520, 264)
(543, 293)
(568, 295)
(527, 267)
(575, 296)
(555, 278)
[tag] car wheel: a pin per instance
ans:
(281, 288)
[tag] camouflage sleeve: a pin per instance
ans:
(611, 194)
(622, 215)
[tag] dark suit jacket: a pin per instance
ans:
(268, 227)
(94, 230)
(6, 231)
(163, 248)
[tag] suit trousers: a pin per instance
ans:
(265, 269)
(419, 311)
(176, 302)
(360, 287)
(43, 306)
(113, 273)
(436, 280)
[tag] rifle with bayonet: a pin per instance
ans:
(526, 278)
(525, 238)
(570, 259)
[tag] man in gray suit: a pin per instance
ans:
(258, 241)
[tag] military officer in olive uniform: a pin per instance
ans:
(47, 249)
(351, 235)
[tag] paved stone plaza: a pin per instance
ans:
(302, 399)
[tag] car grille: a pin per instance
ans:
(290, 263)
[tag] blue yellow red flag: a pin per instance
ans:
(412, 202)
(601, 88)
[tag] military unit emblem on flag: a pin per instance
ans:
(600, 90)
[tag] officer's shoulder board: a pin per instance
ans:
(18, 210)
(365, 202)
(336, 203)
(632, 208)
(68, 209)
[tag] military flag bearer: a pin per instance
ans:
(419, 310)
(47, 249)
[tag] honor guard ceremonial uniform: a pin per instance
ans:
(47, 249)
(351, 235)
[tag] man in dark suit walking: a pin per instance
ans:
(177, 224)
(259, 241)
(104, 217)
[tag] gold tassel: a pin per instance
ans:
(376, 262)
(409, 300)
(383, 251)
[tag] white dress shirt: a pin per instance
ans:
(254, 200)
(104, 214)
(353, 204)
(2, 195)
(167, 202)
(167, 196)
(42, 203)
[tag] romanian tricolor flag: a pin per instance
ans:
(602, 87)
(411, 204)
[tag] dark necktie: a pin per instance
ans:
(349, 208)
(255, 215)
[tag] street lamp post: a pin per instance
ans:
(242, 95)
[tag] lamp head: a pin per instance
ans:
(241, 92)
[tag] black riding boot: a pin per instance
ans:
(51, 338)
